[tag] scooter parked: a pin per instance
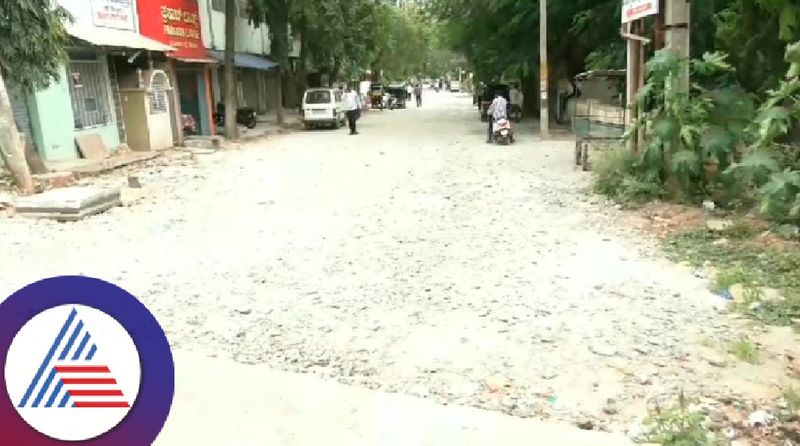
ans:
(245, 116)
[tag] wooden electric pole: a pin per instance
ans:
(544, 117)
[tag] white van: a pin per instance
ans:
(323, 107)
(455, 86)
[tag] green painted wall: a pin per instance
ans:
(52, 121)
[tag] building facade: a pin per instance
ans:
(256, 74)
(252, 41)
(177, 23)
(87, 99)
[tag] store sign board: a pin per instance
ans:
(117, 14)
(175, 23)
(638, 9)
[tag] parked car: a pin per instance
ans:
(323, 107)
(455, 86)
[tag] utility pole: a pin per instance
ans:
(231, 126)
(677, 37)
(544, 117)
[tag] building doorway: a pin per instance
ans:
(188, 93)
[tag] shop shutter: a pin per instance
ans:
(250, 87)
(21, 116)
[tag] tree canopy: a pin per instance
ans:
(501, 37)
(34, 42)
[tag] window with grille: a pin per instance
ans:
(159, 85)
(241, 8)
(88, 87)
(218, 5)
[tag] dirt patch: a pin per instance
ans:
(664, 219)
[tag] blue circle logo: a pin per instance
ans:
(83, 362)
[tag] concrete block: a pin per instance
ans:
(68, 204)
(204, 142)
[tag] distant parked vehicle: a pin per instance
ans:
(376, 93)
(398, 93)
(323, 107)
(245, 116)
(455, 86)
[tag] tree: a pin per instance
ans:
(275, 13)
(231, 126)
(32, 58)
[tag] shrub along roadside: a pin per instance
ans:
(712, 142)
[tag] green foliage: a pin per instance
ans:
(745, 350)
(691, 135)
(781, 196)
(678, 426)
(34, 42)
(748, 262)
(754, 33)
(731, 276)
(615, 175)
(779, 190)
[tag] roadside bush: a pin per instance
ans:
(616, 175)
(711, 142)
(691, 136)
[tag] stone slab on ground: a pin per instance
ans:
(203, 142)
(68, 204)
(219, 401)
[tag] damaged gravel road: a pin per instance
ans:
(412, 258)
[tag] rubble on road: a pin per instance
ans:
(68, 204)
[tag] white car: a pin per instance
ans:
(323, 107)
(455, 86)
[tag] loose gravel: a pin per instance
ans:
(411, 258)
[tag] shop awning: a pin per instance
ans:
(245, 60)
(115, 38)
(196, 60)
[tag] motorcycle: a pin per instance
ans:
(245, 116)
(189, 125)
(503, 134)
(392, 102)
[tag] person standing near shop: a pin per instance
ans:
(353, 109)
(516, 101)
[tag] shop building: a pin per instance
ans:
(86, 99)
(254, 69)
(177, 23)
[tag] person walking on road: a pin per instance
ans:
(353, 109)
(418, 94)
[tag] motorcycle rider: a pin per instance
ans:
(497, 110)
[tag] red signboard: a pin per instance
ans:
(175, 23)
